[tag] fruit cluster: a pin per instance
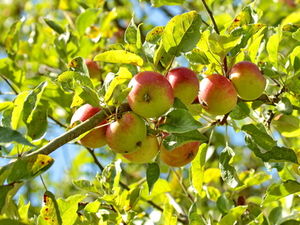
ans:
(152, 95)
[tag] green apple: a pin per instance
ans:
(126, 134)
(181, 155)
(151, 94)
(146, 152)
(247, 80)
(217, 94)
(185, 84)
(96, 137)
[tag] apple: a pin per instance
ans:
(94, 69)
(181, 155)
(151, 94)
(247, 80)
(217, 94)
(185, 84)
(146, 152)
(96, 137)
(126, 134)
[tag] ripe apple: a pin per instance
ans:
(94, 69)
(185, 84)
(96, 137)
(181, 155)
(217, 94)
(126, 134)
(151, 94)
(146, 152)
(247, 80)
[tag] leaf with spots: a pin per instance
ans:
(25, 168)
(49, 214)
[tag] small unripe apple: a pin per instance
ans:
(94, 69)
(247, 80)
(126, 134)
(185, 84)
(181, 155)
(146, 152)
(217, 94)
(96, 137)
(151, 94)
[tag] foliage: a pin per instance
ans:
(247, 168)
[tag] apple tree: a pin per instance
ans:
(150, 112)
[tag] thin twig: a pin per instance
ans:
(183, 186)
(225, 66)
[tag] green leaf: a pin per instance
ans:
(85, 185)
(196, 56)
(7, 192)
(12, 39)
(117, 86)
(11, 222)
(31, 102)
(18, 109)
(275, 154)
(182, 33)
(49, 213)
(5, 105)
(195, 217)
(228, 172)
(233, 215)
(131, 33)
(159, 3)
(25, 168)
(54, 26)
(275, 215)
(78, 65)
(278, 191)
(119, 56)
(255, 178)
(134, 197)
(273, 46)
(86, 19)
(168, 217)
(180, 121)
(221, 45)
(246, 16)
(161, 58)
(285, 106)
(241, 111)
(261, 138)
(68, 208)
(38, 125)
(295, 58)
(154, 35)
(152, 175)
(175, 140)
(197, 169)
(8, 135)
(224, 204)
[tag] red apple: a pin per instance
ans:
(181, 155)
(185, 84)
(146, 152)
(96, 137)
(247, 80)
(94, 69)
(217, 94)
(126, 134)
(151, 94)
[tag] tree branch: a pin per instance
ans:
(74, 132)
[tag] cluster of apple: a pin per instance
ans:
(152, 95)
